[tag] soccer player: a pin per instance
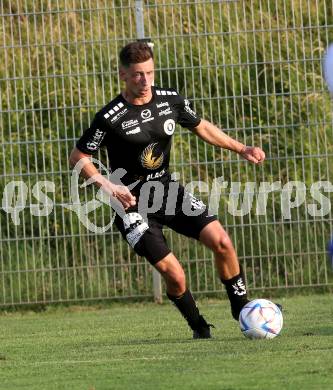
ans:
(137, 127)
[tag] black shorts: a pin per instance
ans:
(179, 210)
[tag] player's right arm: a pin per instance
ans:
(81, 154)
(88, 171)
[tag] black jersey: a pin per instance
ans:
(138, 137)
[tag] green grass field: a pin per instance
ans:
(148, 346)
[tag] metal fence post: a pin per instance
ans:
(140, 31)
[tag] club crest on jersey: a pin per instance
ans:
(169, 126)
(151, 158)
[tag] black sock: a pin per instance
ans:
(237, 294)
(187, 306)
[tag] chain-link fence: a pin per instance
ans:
(251, 67)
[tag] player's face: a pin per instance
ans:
(138, 78)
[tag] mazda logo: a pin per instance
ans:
(145, 114)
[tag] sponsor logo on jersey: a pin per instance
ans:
(96, 140)
(149, 159)
(167, 111)
(189, 109)
(146, 116)
(127, 124)
(133, 131)
(118, 116)
(155, 175)
(113, 110)
(163, 104)
(148, 120)
(169, 126)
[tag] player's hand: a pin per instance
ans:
(253, 154)
(123, 195)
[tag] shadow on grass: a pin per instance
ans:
(185, 340)
(323, 331)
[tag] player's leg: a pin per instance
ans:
(147, 240)
(209, 231)
(174, 276)
(216, 238)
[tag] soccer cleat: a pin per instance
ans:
(203, 330)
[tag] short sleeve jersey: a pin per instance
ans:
(138, 137)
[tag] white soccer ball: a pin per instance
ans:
(260, 319)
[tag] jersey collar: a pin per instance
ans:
(139, 106)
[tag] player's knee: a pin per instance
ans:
(176, 286)
(180, 281)
(222, 244)
(176, 282)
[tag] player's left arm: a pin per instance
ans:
(215, 136)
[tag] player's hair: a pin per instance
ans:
(135, 53)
